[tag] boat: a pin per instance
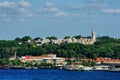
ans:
(28, 67)
(115, 68)
(101, 67)
(86, 68)
(58, 66)
(73, 67)
(35, 68)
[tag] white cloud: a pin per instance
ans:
(50, 9)
(23, 10)
(111, 11)
(25, 4)
(85, 6)
(29, 14)
(54, 9)
(76, 15)
(47, 10)
(61, 14)
(96, 5)
(7, 4)
(48, 4)
(93, 0)
(14, 10)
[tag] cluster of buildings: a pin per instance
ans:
(108, 64)
(82, 40)
(48, 58)
(60, 62)
(101, 63)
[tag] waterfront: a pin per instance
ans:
(50, 74)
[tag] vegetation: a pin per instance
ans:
(104, 47)
(52, 38)
(4, 62)
(67, 37)
(46, 65)
(16, 62)
(77, 37)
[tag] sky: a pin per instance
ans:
(60, 18)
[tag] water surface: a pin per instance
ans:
(50, 74)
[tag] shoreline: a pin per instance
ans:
(54, 69)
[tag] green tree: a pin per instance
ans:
(16, 62)
(52, 38)
(85, 63)
(67, 37)
(37, 38)
(116, 51)
(71, 53)
(26, 38)
(4, 61)
(77, 37)
(18, 39)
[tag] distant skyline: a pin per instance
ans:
(60, 18)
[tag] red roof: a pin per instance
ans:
(27, 57)
(107, 60)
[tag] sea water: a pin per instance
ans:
(51, 74)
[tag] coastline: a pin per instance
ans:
(23, 68)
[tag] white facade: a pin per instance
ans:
(82, 40)
(94, 35)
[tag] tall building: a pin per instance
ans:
(93, 35)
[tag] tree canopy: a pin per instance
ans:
(104, 47)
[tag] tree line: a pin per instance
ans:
(105, 46)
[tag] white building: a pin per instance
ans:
(49, 58)
(43, 41)
(82, 40)
(58, 42)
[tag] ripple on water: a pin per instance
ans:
(50, 74)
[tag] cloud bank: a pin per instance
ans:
(21, 10)
(15, 10)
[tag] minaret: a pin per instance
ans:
(93, 35)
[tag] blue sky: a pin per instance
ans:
(42, 18)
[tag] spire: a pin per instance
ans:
(94, 35)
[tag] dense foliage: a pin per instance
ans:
(103, 47)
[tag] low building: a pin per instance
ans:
(42, 41)
(58, 42)
(49, 58)
(107, 61)
(54, 61)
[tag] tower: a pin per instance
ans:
(93, 35)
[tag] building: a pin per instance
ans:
(93, 35)
(58, 42)
(48, 58)
(54, 61)
(83, 40)
(42, 41)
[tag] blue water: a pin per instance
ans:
(49, 74)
